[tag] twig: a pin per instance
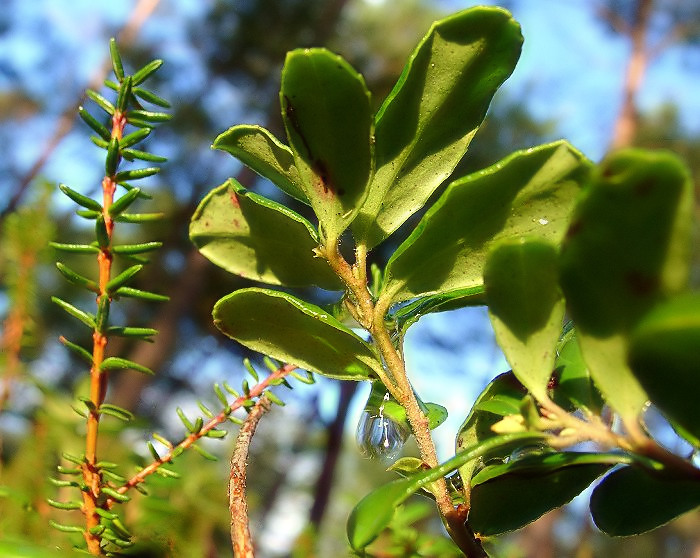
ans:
(240, 532)
(255, 391)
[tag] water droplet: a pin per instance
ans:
(379, 436)
(543, 221)
(529, 450)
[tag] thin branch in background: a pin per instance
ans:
(240, 532)
(139, 15)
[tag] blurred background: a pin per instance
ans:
(599, 73)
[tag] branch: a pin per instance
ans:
(240, 532)
(257, 391)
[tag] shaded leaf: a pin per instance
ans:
(259, 150)
(508, 496)
(501, 397)
(259, 239)
(291, 330)
(630, 501)
(626, 248)
(573, 382)
(326, 113)
(664, 358)
(529, 193)
(526, 308)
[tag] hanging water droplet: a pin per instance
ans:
(379, 436)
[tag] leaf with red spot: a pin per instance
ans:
(625, 251)
(259, 239)
(327, 115)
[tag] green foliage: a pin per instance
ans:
(540, 234)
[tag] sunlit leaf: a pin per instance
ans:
(530, 193)
(326, 112)
(427, 122)
(291, 330)
(526, 307)
(259, 239)
(630, 501)
(508, 496)
(627, 248)
(257, 148)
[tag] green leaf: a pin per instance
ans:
(80, 199)
(627, 247)
(91, 121)
(374, 512)
(104, 104)
(75, 248)
(508, 496)
(77, 279)
(131, 249)
(123, 203)
(149, 116)
(150, 97)
(134, 137)
(116, 363)
(427, 122)
(286, 328)
(664, 358)
(259, 150)
(143, 74)
(573, 382)
(408, 314)
(501, 397)
(526, 308)
(116, 58)
(86, 318)
(630, 501)
(135, 174)
(327, 116)
(144, 333)
(530, 193)
(259, 239)
(114, 284)
(142, 295)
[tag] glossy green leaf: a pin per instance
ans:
(259, 150)
(630, 501)
(427, 122)
(529, 193)
(291, 330)
(508, 496)
(627, 248)
(573, 386)
(374, 512)
(526, 307)
(259, 239)
(408, 314)
(117, 363)
(665, 358)
(501, 397)
(327, 116)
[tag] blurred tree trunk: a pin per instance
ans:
(626, 124)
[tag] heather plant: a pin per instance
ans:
(583, 268)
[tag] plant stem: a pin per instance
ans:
(99, 378)
(238, 504)
(397, 383)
